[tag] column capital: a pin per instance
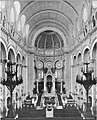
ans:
(37, 80)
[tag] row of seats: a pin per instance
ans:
(31, 112)
(68, 111)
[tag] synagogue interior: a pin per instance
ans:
(48, 59)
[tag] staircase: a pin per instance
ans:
(60, 100)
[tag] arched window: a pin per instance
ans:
(19, 26)
(79, 58)
(94, 4)
(86, 57)
(78, 26)
(12, 15)
(96, 15)
(24, 32)
(93, 20)
(27, 30)
(74, 60)
(85, 14)
(0, 16)
(17, 8)
(23, 20)
(2, 4)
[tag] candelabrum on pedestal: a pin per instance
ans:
(11, 81)
(87, 80)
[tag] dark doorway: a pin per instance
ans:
(49, 83)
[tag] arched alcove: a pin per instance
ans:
(19, 61)
(74, 60)
(3, 52)
(49, 78)
(11, 55)
(94, 52)
(23, 60)
(49, 83)
(86, 55)
(79, 62)
(19, 58)
(49, 40)
(24, 74)
(79, 59)
(94, 88)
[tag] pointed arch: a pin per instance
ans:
(11, 53)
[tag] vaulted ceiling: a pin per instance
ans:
(59, 14)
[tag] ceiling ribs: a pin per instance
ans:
(49, 10)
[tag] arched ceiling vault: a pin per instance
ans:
(47, 23)
(61, 14)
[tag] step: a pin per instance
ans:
(55, 118)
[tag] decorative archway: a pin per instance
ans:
(3, 52)
(3, 48)
(11, 54)
(49, 28)
(49, 83)
(86, 54)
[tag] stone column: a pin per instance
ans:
(1, 72)
(61, 86)
(53, 87)
(30, 70)
(37, 86)
(0, 52)
(45, 83)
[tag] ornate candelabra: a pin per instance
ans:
(11, 81)
(87, 80)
